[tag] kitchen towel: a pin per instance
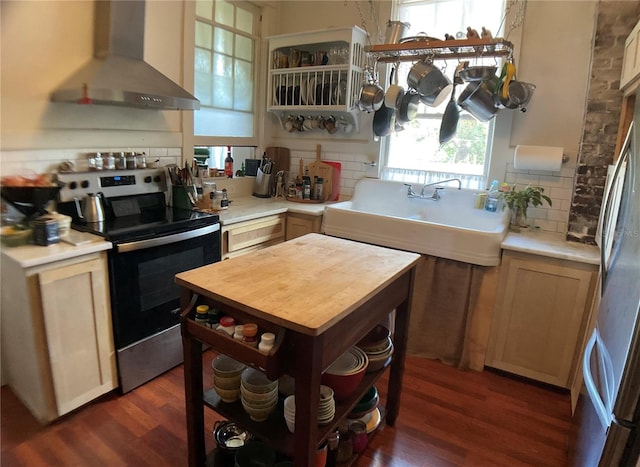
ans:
(548, 158)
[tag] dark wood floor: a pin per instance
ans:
(448, 417)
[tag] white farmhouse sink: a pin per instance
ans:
(381, 213)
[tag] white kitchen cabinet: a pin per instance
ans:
(541, 313)
(319, 89)
(244, 237)
(58, 348)
(631, 61)
(302, 224)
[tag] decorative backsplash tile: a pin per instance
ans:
(557, 185)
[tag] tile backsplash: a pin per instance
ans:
(47, 160)
(557, 185)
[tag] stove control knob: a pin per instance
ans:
(73, 185)
(157, 179)
(147, 179)
(84, 183)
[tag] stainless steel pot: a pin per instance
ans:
(395, 31)
(371, 97)
(477, 99)
(433, 86)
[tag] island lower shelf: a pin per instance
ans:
(274, 430)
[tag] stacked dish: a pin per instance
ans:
(379, 348)
(226, 377)
(326, 408)
(259, 395)
(345, 374)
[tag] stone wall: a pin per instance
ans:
(615, 21)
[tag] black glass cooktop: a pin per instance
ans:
(139, 218)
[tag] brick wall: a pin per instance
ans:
(615, 21)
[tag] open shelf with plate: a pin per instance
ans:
(317, 75)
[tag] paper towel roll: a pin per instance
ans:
(538, 158)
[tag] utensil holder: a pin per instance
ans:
(262, 185)
(180, 196)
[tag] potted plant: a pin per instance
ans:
(519, 200)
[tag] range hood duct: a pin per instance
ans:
(118, 75)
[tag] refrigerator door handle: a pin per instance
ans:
(599, 405)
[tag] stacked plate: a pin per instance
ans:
(326, 408)
(259, 395)
(345, 374)
(226, 377)
(379, 348)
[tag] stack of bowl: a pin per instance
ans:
(345, 374)
(368, 403)
(326, 408)
(379, 348)
(259, 395)
(226, 377)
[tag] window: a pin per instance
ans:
(225, 70)
(414, 154)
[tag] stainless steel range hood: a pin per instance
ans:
(118, 75)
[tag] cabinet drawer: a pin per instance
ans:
(251, 233)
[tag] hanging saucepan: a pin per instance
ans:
(371, 95)
(384, 121)
(477, 99)
(394, 93)
(433, 86)
(408, 108)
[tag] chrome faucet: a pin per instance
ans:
(435, 196)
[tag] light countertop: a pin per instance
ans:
(553, 245)
(28, 256)
(250, 207)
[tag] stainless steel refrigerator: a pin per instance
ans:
(608, 413)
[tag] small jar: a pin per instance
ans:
(250, 330)
(99, 162)
(359, 438)
(266, 342)
(131, 160)
(202, 315)
(227, 325)
(141, 160)
(121, 161)
(213, 318)
(250, 340)
(109, 161)
(237, 332)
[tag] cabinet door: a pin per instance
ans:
(538, 318)
(75, 305)
(299, 225)
(244, 237)
(631, 58)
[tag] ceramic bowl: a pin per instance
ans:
(343, 385)
(223, 382)
(227, 395)
(256, 381)
(259, 402)
(377, 336)
(259, 414)
(225, 366)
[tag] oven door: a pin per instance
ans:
(145, 299)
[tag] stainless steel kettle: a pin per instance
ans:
(90, 209)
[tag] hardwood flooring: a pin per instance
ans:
(447, 417)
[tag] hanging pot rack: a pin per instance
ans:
(440, 50)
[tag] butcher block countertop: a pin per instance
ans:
(306, 284)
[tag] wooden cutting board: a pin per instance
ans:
(335, 187)
(281, 158)
(324, 170)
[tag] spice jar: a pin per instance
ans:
(202, 315)
(131, 160)
(213, 318)
(99, 163)
(121, 161)
(227, 325)
(317, 194)
(109, 161)
(266, 342)
(141, 160)
(237, 332)
(249, 331)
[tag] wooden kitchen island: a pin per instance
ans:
(320, 295)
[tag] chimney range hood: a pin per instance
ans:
(118, 75)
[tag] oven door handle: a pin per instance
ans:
(159, 241)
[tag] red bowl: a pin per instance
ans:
(343, 385)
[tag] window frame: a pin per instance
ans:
(190, 140)
(427, 175)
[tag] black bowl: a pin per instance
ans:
(30, 200)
